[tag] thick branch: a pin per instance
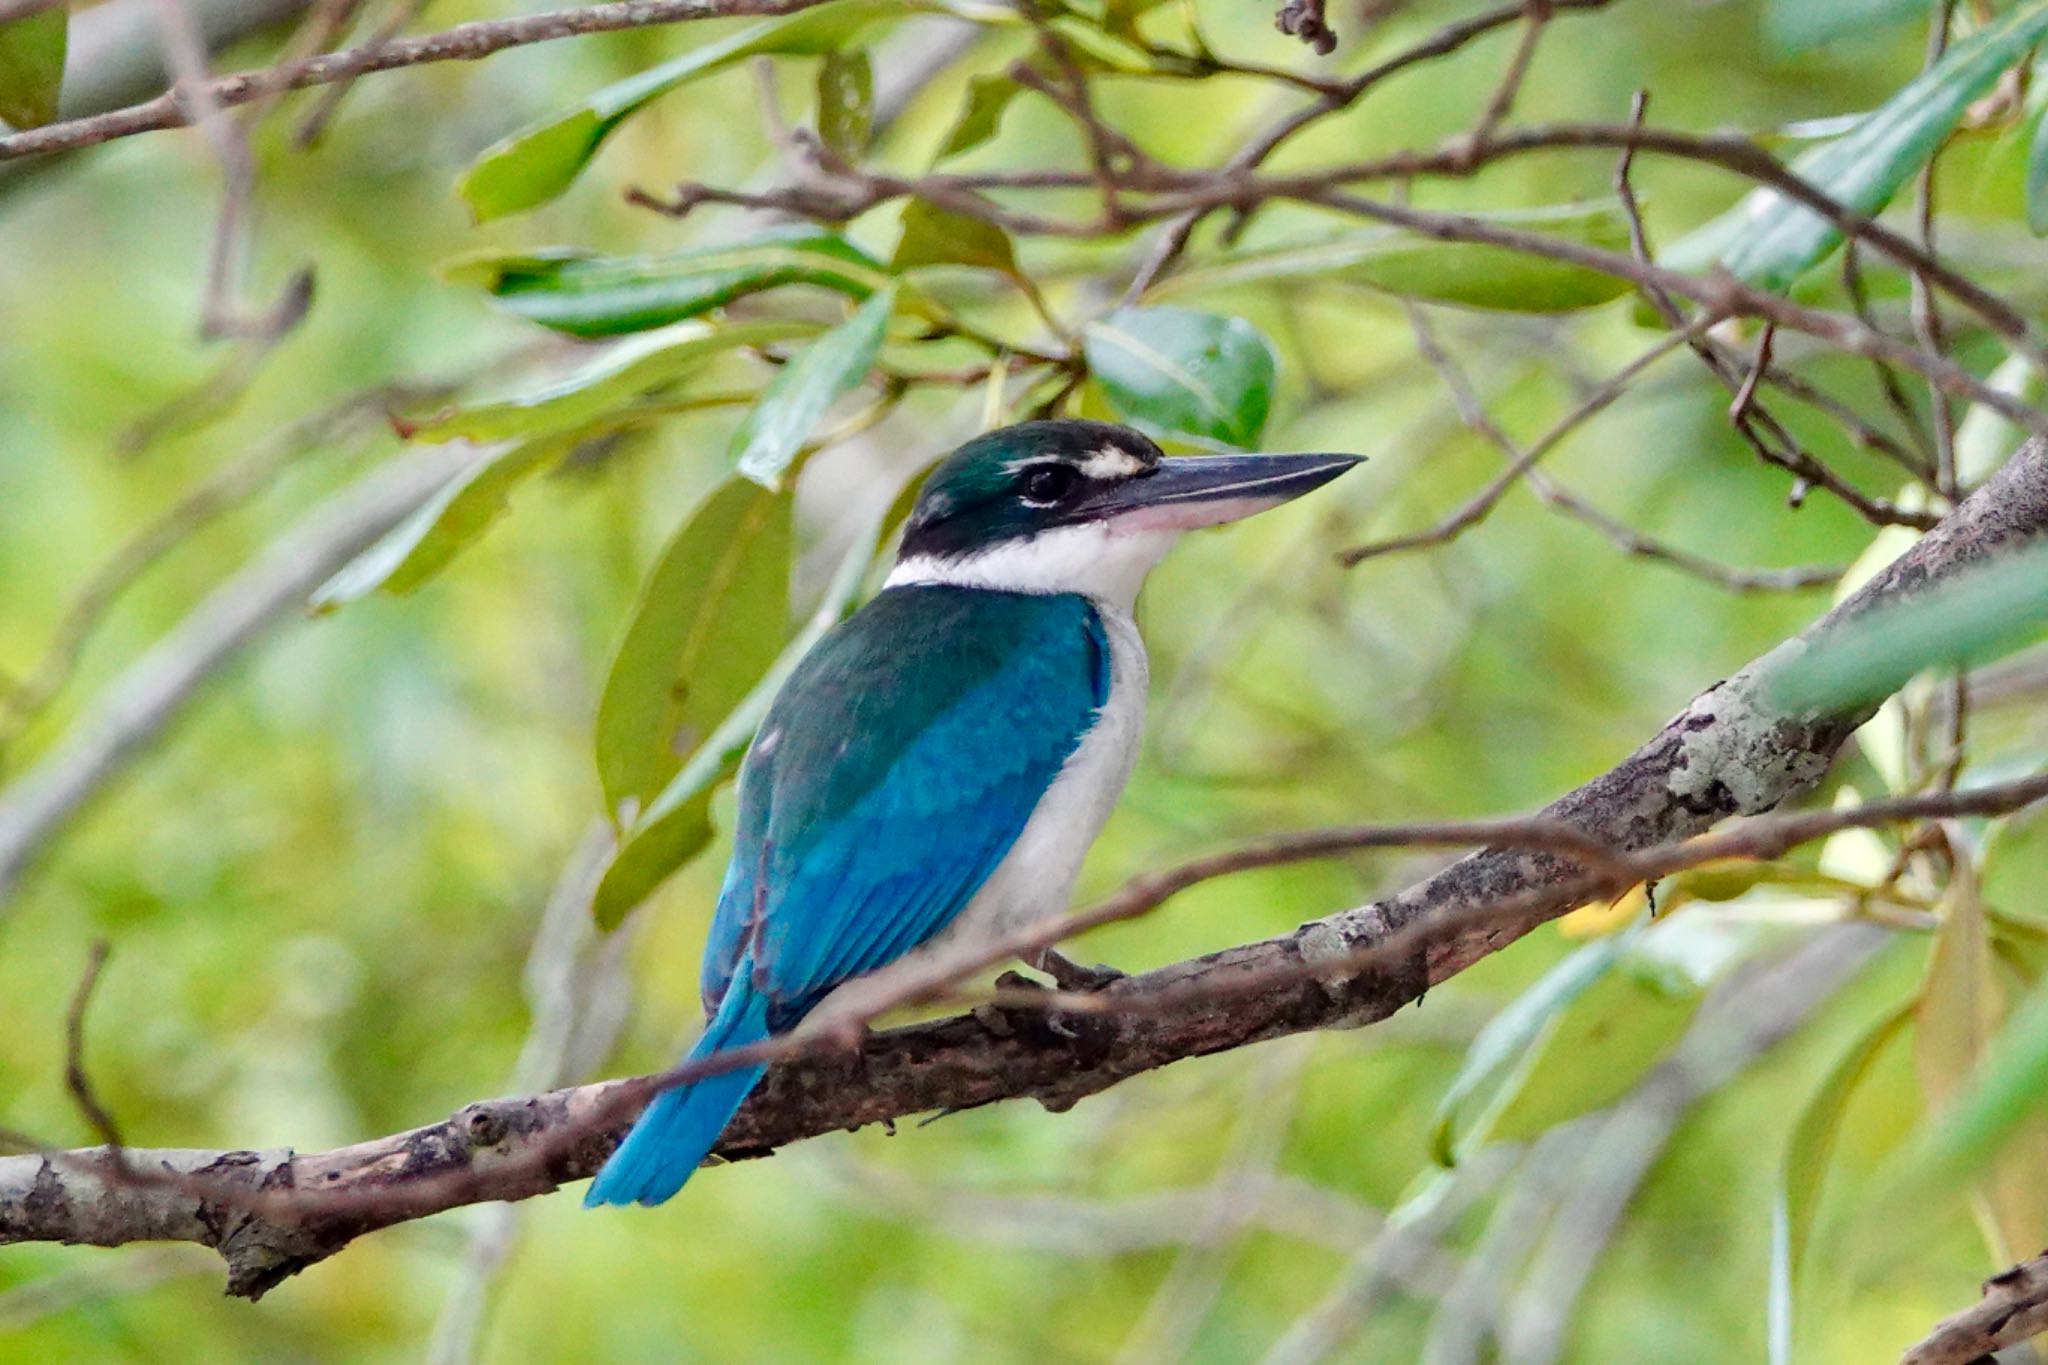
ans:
(1728, 753)
(2014, 1309)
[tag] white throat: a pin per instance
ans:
(1099, 560)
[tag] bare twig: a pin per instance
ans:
(462, 43)
(1623, 536)
(76, 1079)
(1475, 509)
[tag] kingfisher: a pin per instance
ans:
(935, 767)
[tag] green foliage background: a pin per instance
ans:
(321, 889)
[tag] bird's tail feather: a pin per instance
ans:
(678, 1130)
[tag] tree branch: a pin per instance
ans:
(462, 43)
(272, 1213)
(2013, 1309)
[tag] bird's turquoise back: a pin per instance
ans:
(895, 770)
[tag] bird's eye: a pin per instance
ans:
(1046, 484)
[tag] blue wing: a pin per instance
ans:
(892, 775)
(897, 766)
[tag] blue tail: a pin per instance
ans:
(680, 1128)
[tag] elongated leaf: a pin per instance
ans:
(1959, 1005)
(794, 403)
(1097, 49)
(981, 114)
(1592, 1055)
(1770, 240)
(1810, 1150)
(633, 367)
(676, 825)
(1179, 371)
(2007, 1090)
(1597, 1049)
(2022, 941)
(1600, 1026)
(846, 101)
(2037, 180)
(1469, 274)
(1509, 1035)
(32, 66)
(1970, 618)
(427, 541)
(936, 236)
(712, 616)
(1986, 438)
(543, 159)
(594, 296)
(1796, 24)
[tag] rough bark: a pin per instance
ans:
(2014, 1309)
(1727, 753)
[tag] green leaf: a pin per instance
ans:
(1972, 617)
(1960, 1001)
(846, 102)
(2005, 1092)
(595, 296)
(936, 236)
(1596, 1051)
(711, 618)
(622, 373)
(981, 114)
(1179, 371)
(1588, 1033)
(427, 541)
(1592, 1055)
(777, 427)
(2037, 180)
(1810, 1150)
(676, 826)
(1509, 1035)
(1099, 49)
(540, 161)
(1960, 1007)
(1795, 24)
(1770, 241)
(32, 66)
(1470, 274)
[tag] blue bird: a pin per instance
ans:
(938, 764)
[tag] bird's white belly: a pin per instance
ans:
(1036, 878)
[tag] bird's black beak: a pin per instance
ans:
(1182, 493)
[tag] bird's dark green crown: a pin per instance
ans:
(1018, 481)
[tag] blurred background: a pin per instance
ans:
(323, 887)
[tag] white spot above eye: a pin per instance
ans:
(1110, 462)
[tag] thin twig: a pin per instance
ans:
(77, 1080)
(1623, 536)
(1475, 509)
(462, 43)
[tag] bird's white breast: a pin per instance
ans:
(1036, 879)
